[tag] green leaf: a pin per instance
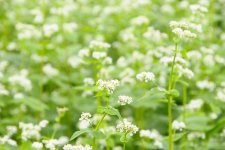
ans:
(110, 111)
(98, 134)
(33, 103)
(218, 126)
(78, 133)
(176, 136)
(173, 92)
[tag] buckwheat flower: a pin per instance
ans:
(21, 80)
(196, 135)
(206, 84)
(70, 27)
(221, 94)
(11, 130)
(62, 110)
(99, 55)
(63, 140)
(75, 61)
(145, 76)
(38, 59)
(140, 20)
(197, 8)
(85, 116)
(107, 61)
(3, 91)
(176, 125)
(50, 29)
(108, 86)
(84, 53)
(123, 100)
(89, 81)
(126, 127)
(30, 131)
(7, 140)
(151, 134)
(195, 104)
(76, 147)
(43, 123)
(49, 70)
(37, 145)
(99, 45)
(51, 144)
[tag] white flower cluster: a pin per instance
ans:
(49, 70)
(196, 135)
(84, 120)
(37, 145)
(126, 127)
(153, 135)
(21, 80)
(85, 116)
(11, 130)
(195, 104)
(197, 8)
(76, 147)
(221, 94)
(178, 125)
(206, 85)
(109, 85)
(158, 36)
(123, 100)
(84, 53)
(89, 81)
(95, 44)
(27, 31)
(140, 20)
(186, 72)
(50, 29)
(183, 29)
(31, 131)
(145, 76)
(3, 91)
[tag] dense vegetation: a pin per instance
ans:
(112, 74)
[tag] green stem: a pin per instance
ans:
(96, 129)
(124, 146)
(170, 98)
(184, 101)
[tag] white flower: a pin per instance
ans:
(6, 140)
(140, 20)
(176, 125)
(154, 134)
(37, 145)
(74, 61)
(126, 127)
(85, 116)
(76, 147)
(206, 84)
(69, 27)
(49, 70)
(99, 45)
(11, 130)
(84, 53)
(51, 144)
(89, 81)
(63, 140)
(109, 86)
(99, 55)
(43, 123)
(21, 79)
(123, 100)
(196, 135)
(145, 76)
(194, 104)
(50, 29)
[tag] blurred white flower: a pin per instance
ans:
(178, 125)
(49, 70)
(123, 100)
(145, 76)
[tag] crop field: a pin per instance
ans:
(112, 74)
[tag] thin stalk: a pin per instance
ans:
(96, 129)
(170, 98)
(184, 101)
(124, 146)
